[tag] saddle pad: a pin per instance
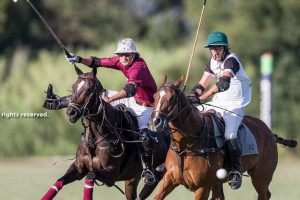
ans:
(245, 137)
(247, 141)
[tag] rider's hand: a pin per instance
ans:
(52, 100)
(197, 90)
(72, 58)
(105, 97)
(194, 99)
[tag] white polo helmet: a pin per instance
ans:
(126, 45)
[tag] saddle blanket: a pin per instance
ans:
(245, 138)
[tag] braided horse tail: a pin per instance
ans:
(285, 142)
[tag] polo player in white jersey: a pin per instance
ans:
(232, 93)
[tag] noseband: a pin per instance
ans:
(172, 114)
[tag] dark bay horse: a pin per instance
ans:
(109, 149)
(193, 157)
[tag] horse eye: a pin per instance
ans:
(171, 99)
(89, 90)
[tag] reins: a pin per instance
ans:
(195, 137)
(244, 118)
(104, 122)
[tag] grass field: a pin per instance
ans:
(29, 179)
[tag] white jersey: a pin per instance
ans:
(238, 95)
(142, 113)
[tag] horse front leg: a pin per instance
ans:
(166, 187)
(131, 188)
(107, 175)
(89, 186)
(71, 175)
(202, 193)
(217, 192)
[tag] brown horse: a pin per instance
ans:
(109, 149)
(194, 158)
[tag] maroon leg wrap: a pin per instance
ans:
(88, 189)
(53, 191)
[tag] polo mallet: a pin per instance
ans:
(194, 46)
(47, 26)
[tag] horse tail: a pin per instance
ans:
(285, 142)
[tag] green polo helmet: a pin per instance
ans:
(217, 39)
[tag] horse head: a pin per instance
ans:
(167, 104)
(85, 98)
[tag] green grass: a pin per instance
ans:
(28, 179)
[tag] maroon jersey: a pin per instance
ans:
(137, 72)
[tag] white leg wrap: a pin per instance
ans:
(88, 186)
(54, 187)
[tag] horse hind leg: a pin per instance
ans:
(261, 184)
(131, 188)
(262, 191)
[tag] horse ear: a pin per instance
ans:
(78, 71)
(164, 79)
(179, 81)
(94, 71)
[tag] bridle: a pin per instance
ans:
(191, 148)
(83, 110)
(102, 122)
(175, 111)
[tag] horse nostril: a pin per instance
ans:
(158, 122)
(71, 112)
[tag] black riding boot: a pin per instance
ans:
(147, 158)
(235, 175)
(54, 102)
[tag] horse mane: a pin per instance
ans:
(92, 76)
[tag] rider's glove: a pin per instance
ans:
(198, 89)
(194, 99)
(52, 100)
(72, 58)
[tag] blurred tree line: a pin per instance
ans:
(164, 26)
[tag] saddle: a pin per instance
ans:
(244, 135)
(128, 116)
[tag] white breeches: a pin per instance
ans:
(232, 118)
(142, 113)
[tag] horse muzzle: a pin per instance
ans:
(158, 124)
(73, 114)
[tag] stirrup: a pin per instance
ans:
(236, 180)
(149, 177)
